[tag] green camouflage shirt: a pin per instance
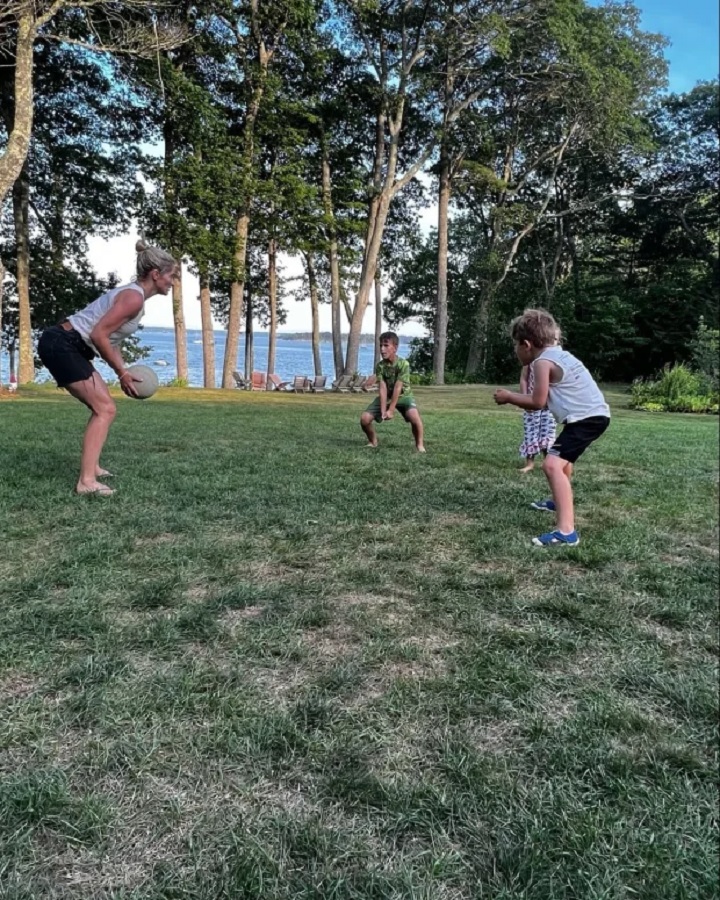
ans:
(392, 372)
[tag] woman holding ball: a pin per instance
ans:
(67, 349)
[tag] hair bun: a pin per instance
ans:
(140, 246)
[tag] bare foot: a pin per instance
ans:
(528, 468)
(370, 446)
(94, 487)
(103, 473)
(420, 449)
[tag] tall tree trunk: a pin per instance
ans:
(477, 354)
(181, 356)
(208, 335)
(179, 323)
(17, 104)
(315, 311)
(441, 311)
(237, 293)
(249, 335)
(21, 215)
(21, 111)
(378, 318)
(2, 280)
(242, 228)
(367, 277)
(334, 264)
(272, 297)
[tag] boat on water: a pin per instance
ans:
(160, 362)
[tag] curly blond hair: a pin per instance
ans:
(536, 326)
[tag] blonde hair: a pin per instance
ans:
(149, 258)
(536, 326)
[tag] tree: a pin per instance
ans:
(131, 26)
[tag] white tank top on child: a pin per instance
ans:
(576, 396)
(86, 319)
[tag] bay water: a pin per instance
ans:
(292, 356)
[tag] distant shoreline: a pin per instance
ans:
(325, 336)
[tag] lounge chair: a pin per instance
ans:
(258, 381)
(299, 384)
(358, 383)
(317, 385)
(240, 381)
(275, 384)
(342, 384)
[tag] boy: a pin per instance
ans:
(575, 400)
(393, 375)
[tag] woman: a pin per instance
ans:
(98, 330)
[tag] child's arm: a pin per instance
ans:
(538, 398)
(403, 377)
(382, 394)
(397, 390)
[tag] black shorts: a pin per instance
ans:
(576, 437)
(65, 355)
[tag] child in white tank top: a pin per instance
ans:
(563, 383)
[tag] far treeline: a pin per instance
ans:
(237, 133)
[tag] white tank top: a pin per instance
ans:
(86, 319)
(576, 396)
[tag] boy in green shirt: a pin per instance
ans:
(394, 392)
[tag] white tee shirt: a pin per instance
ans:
(86, 319)
(576, 395)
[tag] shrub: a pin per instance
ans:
(706, 354)
(675, 390)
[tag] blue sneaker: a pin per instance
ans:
(557, 539)
(547, 505)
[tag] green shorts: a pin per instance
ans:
(403, 406)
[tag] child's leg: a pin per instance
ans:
(366, 423)
(529, 464)
(416, 423)
(558, 473)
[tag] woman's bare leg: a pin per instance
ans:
(94, 394)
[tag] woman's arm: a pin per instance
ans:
(126, 306)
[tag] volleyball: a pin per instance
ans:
(149, 384)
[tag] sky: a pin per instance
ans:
(692, 28)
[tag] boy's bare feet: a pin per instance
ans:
(103, 473)
(94, 487)
(527, 468)
(420, 449)
(371, 446)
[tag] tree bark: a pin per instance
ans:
(315, 311)
(249, 334)
(179, 323)
(235, 314)
(334, 265)
(477, 354)
(20, 110)
(378, 318)
(208, 335)
(272, 297)
(441, 311)
(16, 149)
(21, 207)
(181, 356)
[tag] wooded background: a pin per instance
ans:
(231, 133)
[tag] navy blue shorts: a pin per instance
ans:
(576, 437)
(65, 355)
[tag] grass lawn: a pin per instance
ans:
(278, 665)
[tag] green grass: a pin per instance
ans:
(278, 665)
